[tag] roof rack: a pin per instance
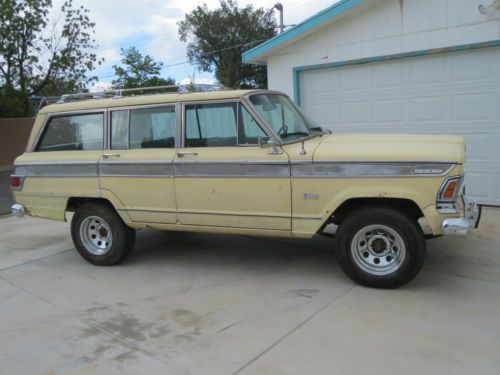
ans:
(119, 93)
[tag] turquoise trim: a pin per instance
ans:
(367, 60)
(313, 22)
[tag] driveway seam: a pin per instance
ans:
(292, 331)
(87, 323)
(34, 260)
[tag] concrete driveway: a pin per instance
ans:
(205, 304)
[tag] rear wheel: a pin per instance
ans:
(100, 235)
(380, 247)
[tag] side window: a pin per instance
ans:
(119, 130)
(143, 128)
(73, 132)
(211, 125)
(249, 130)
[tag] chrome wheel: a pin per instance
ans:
(96, 236)
(378, 250)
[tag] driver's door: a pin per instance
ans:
(223, 178)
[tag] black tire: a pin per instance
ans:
(365, 250)
(120, 243)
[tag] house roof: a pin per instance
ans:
(258, 54)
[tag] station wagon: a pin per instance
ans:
(244, 162)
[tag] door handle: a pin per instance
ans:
(181, 154)
(106, 156)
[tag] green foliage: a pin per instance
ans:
(139, 71)
(217, 38)
(35, 53)
(13, 103)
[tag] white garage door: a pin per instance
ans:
(454, 93)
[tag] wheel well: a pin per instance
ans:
(404, 205)
(75, 202)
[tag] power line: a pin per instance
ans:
(206, 54)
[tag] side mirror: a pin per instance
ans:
(265, 142)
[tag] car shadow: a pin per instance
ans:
(233, 251)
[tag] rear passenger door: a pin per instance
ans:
(223, 178)
(136, 168)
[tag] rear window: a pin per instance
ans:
(73, 132)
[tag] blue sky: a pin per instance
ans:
(151, 26)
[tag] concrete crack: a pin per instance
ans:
(293, 330)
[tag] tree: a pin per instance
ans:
(35, 53)
(139, 71)
(217, 38)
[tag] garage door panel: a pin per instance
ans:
(353, 80)
(317, 83)
(480, 147)
(388, 110)
(427, 72)
(473, 106)
(324, 112)
(354, 112)
(453, 93)
(471, 67)
(477, 185)
(388, 75)
(428, 108)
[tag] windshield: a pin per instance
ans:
(284, 117)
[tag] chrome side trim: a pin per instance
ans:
(243, 170)
(232, 214)
(52, 163)
(146, 223)
(148, 210)
(53, 170)
(234, 161)
(368, 169)
(221, 214)
(234, 168)
(135, 169)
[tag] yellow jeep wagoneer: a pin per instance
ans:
(242, 162)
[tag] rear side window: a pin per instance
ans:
(73, 132)
(143, 128)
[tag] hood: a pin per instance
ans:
(391, 147)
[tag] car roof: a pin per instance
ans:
(125, 101)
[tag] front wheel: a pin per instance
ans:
(380, 247)
(100, 235)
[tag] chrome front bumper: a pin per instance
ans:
(18, 210)
(463, 225)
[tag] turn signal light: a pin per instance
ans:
(449, 192)
(450, 189)
(15, 182)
